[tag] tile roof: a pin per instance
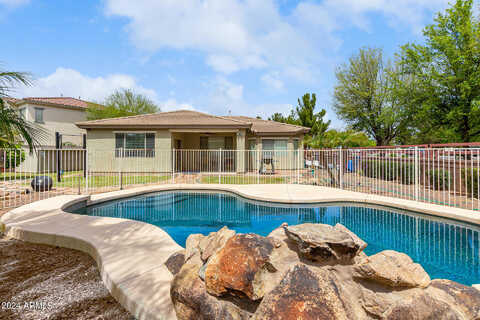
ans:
(10, 100)
(266, 127)
(172, 119)
(192, 120)
(55, 101)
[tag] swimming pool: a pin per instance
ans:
(445, 248)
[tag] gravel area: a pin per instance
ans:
(45, 282)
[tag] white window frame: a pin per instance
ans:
(135, 153)
(42, 113)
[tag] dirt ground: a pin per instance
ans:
(43, 282)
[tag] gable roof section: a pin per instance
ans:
(172, 119)
(10, 100)
(195, 120)
(270, 128)
(66, 102)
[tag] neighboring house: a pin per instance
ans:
(54, 114)
(146, 142)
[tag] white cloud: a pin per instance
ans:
(13, 3)
(233, 34)
(272, 81)
(69, 82)
(410, 14)
(173, 104)
(242, 34)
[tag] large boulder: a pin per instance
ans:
(240, 266)
(214, 242)
(199, 247)
(191, 300)
(393, 269)
(324, 243)
(306, 294)
(464, 299)
(175, 262)
(308, 271)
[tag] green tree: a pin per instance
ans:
(346, 139)
(446, 72)
(290, 119)
(14, 129)
(122, 103)
(308, 118)
(364, 97)
(304, 115)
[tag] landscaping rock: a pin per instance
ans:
(464, 299)
(306, 294)
(309, 271)
(192, 251)
(214, 242)
(324, 243)
(393, 269)
(240, 266)
(175, 262)
(191, 300)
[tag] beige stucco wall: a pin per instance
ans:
(284, 160)
(101, 153)
(58, 119)
(102, 158)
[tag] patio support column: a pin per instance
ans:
(241, 151)
(259, 146)
(290, 157)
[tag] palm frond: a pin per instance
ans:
(8, 79)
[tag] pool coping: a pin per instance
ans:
(131, 254)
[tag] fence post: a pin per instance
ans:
(173, 165)
(258, 163)
(220, 166)
(84, 147)
(58, 145)
(341, 166)
(417, 176)
(298, 165)
(86, 171)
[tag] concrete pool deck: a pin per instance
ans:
(131, 254)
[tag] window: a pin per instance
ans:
(267, 144)
(270, 146)
(134, 145)
(23, 112)
(203, 143)
(296, 144)
(274, 145)
(216, 142)
(39, 115)
(229, 143)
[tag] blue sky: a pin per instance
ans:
(248, 57)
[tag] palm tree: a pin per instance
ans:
(14, 128)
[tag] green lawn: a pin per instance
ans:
(6, 176)
(231, 179)
(69, 180)
(107, 181)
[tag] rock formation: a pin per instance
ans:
(308, 271)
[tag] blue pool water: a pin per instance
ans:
(446, 249)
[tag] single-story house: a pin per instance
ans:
(191, 141)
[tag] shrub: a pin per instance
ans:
(439, 179)
(389, 170)
(471, 176)
(13, 158)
